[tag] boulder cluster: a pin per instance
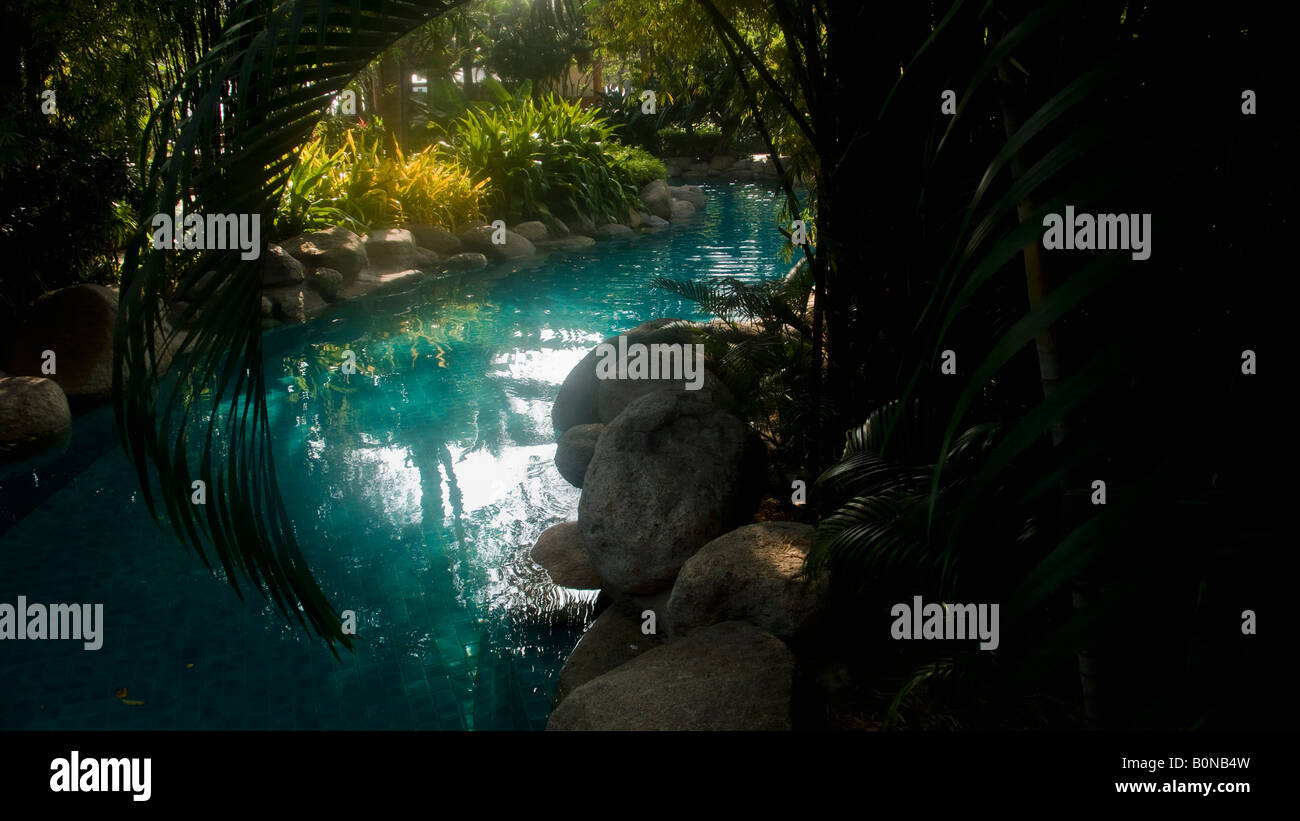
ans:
(303, 275)
(704, 603)
(300, 278)
(747, 167)
(56, 357)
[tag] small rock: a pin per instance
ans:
(561, 551)
(572, 242)
(583, 225)
(294, 303)
(574, 450)
(682, 210)
(533, 230)
(657, 198)
(470, 261)
(426, 260)
(690, 193)
(436, 239)
(479, 238)
(279, 268)
(327, 282)
(336, 248)
(614, 231)
(390, 249)
(653, 223)
(34, 415)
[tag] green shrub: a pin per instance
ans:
(362, 186)
(541, 155)
(704, 140)
(639, 165)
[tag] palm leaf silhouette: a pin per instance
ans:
(225, 142)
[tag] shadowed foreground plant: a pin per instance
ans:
(262, 90)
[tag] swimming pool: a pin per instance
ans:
(417, 487)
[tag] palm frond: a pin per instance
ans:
(260, 93)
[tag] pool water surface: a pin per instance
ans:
(417, 487)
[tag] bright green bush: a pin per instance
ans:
(362, 186)
(541, 155)
(639, 165)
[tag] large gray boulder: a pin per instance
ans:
(479, 238)
(561, 551)
(279, 268)
(616, 394)
(34, 415)
(690, 193)
(390, 249)
(612, 640)
(336, 248)
(436, 239)
(753, 574)
(670, 473)
(77, 324)
(731, 676)
(654, 223)
(578, 400)
(574, 451)
(658, 199)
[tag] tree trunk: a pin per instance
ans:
(390, 87)
(465, 41)
(1039, 284)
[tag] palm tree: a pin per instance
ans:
(261, 89)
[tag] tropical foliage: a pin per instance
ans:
(540, 155)
(979, 484)
(975, 482)
(363, 186)
(636, 164)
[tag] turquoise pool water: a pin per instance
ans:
(417, 485)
